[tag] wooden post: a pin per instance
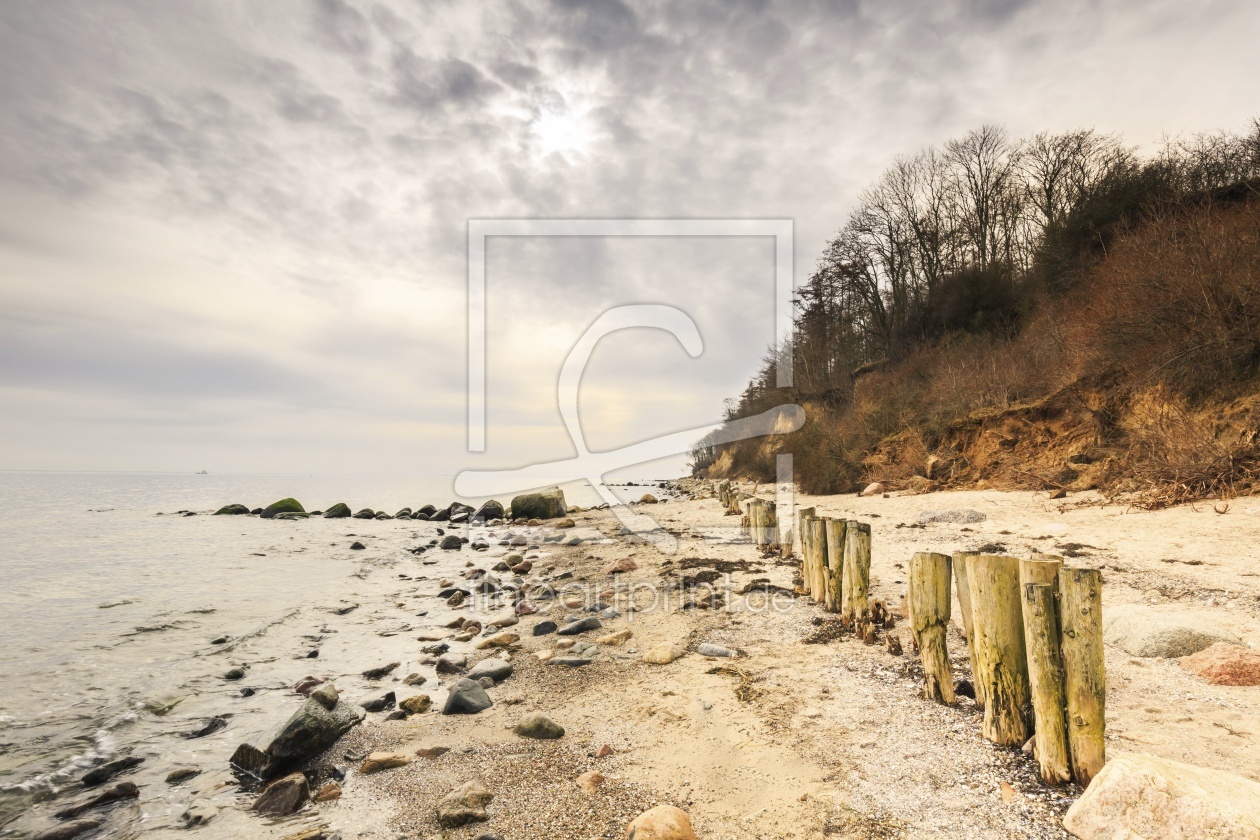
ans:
(929, 610)
(836, 530)
(857, 569)
(803, 518)
(1085, 677)
(1001, 662)
(1045, 681)
(757, 516)
(959, 564)
(1042, 568)
(771, 525)
(818, 559)
(786, 535)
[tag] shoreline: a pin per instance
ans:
(789, 739)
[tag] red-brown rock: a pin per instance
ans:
(1225, 664)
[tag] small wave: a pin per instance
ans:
(253, 634)
(110, 605)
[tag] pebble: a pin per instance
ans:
(181, 774)
(580, 626)
(590, 781)
(662, 654)
(379, 761)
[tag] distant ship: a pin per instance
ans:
(203, 472)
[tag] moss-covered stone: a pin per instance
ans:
(282, 506)
(232, 510)
(338, 511)
(366, 513)
(549, 504)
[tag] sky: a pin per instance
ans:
(233, 234)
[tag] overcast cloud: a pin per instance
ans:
(233, 233)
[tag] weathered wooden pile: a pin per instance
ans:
(1033, 629)
(1034, 636)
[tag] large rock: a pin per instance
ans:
(284, 796)
(341, 510)
(494, 668)
(1225, 664)
(539, 727)
(664, 822)
(549, 504)
(490, 510)
(1146, 632)
(1141, 797)
(232, 510)
(282, 506)
(464, 805)
(313, 728)
(366, 513)
(466, 697)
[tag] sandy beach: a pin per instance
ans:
(802, 735)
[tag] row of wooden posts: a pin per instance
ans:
(836, 553)
(1033, 629)
(1034, 637)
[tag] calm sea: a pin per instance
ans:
(110, 600)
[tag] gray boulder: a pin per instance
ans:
(1147, 632)
(549, 504)
(466, 697)
(338, 511)
(313, 728)
(366, 513)
(496, 669)
(232, 510)
(490, 510)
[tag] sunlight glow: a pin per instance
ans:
(560, 131)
